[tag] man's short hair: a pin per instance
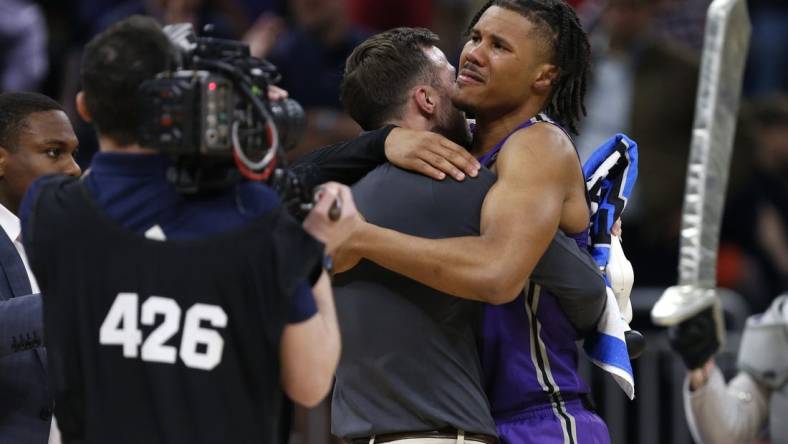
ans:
(114, 65)
(15, 107)
(381, 71)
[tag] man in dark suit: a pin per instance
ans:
(36, 139)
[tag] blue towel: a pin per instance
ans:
(610, 174)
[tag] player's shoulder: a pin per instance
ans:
(388, 183)
(388, 176)
(543, 140)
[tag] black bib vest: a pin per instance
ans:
(163, 342)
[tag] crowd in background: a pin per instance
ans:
(646, 62)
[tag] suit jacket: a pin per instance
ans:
(25, 402)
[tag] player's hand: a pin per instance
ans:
(430, 154)
(695, 339)
(616, 229)
(334, 217)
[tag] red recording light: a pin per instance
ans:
(212, 86)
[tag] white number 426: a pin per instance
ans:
(120, 328)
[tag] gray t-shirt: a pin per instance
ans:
(409, 354)
(409, 359)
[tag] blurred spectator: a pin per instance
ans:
(23, 46)
(754, 241)
(311, 58)
(256, 8)
(768, 60)
(644, 87)
(90, 12)
(381, 15)
(264, 33)
(222, 15)
(449, 20)
(229, 18)
(683, 22)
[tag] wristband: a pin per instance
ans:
(328, 264)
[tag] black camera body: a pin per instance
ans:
(189, 113)
(211, 112)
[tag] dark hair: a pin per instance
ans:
(570, 49)
(114, 65)
(381, 70)
(15, 107)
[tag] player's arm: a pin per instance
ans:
(581, 293)
(520, 216)
(344, 162)
(21, 324)
(310, 350)
(347, 162)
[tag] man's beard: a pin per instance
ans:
(451, 124)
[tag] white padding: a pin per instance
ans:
(621, 276)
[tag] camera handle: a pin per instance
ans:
(336, 207)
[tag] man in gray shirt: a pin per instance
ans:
(410, 367)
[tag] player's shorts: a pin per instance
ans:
(548, 424)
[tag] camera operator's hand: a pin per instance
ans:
(430, 154)
(333, 231)
(695, 339)
(276, 93)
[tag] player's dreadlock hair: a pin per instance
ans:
(570, 50)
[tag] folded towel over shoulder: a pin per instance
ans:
(610, 174)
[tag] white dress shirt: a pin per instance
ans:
(13, 229)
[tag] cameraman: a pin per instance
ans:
(174, 318)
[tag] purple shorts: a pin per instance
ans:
(572, 424)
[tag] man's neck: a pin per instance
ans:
(108, 145)
(8, 203)
(492, 128)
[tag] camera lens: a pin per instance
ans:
(290, 121)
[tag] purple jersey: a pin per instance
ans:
(528, 353)
(529, 359)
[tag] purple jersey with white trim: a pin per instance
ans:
(528, 353)
(527, 346)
